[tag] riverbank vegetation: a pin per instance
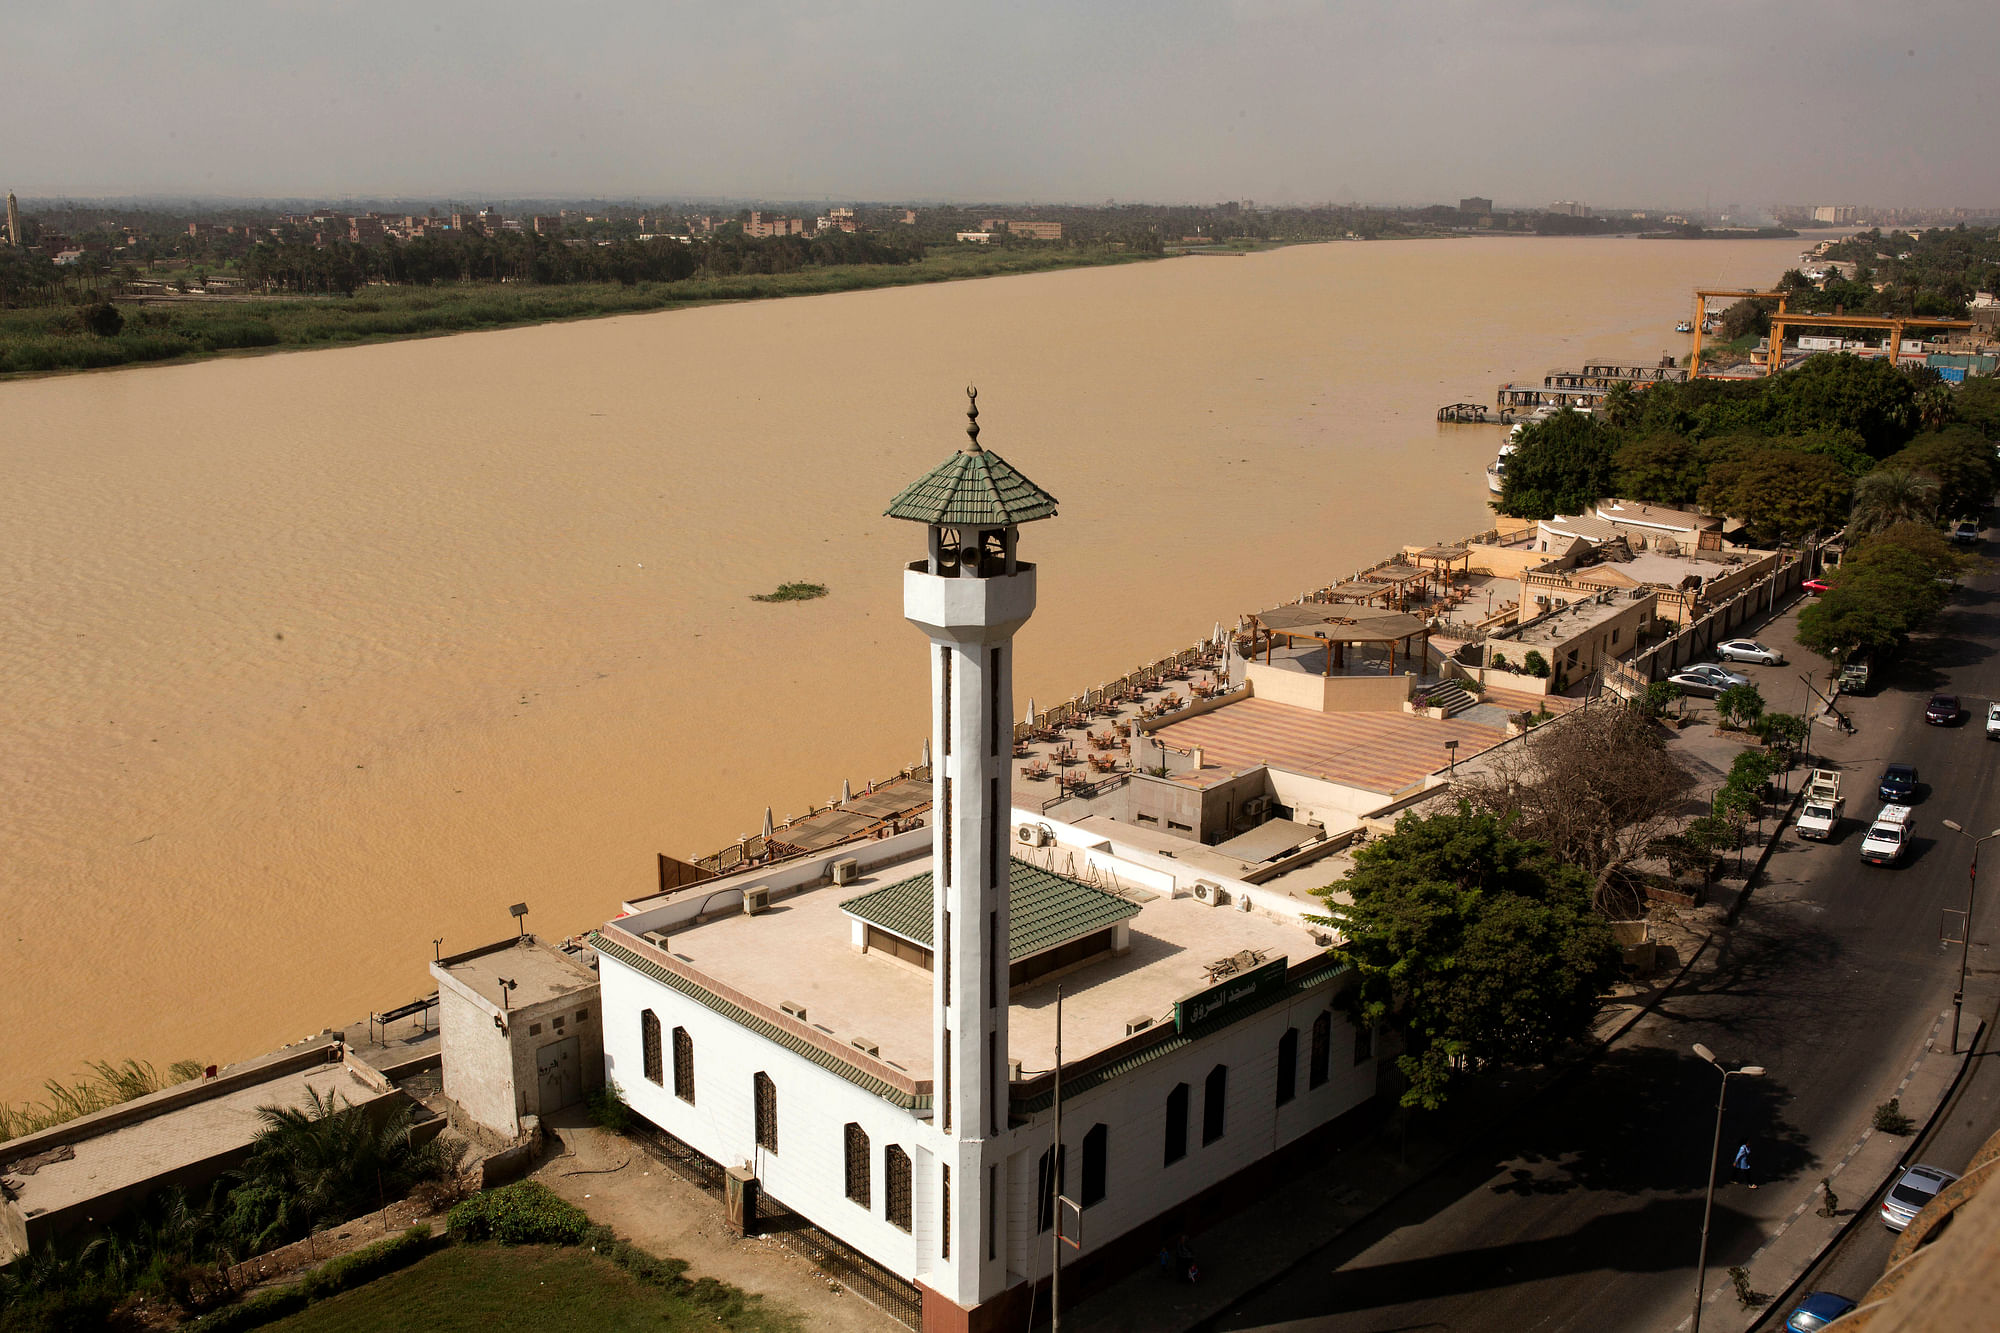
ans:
(65, 336)
(309, 1167)
(1784, 453)
(104, 1086)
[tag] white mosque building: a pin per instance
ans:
(870, 1035)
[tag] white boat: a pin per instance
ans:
(1685, 326)
(1496, 472)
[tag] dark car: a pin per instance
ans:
(1817, 1311)
(1899, 783)
(1942, 710)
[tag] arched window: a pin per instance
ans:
(649, 1044)
(684, 1066)
(764, 1102)
(1177, 1118)
(1048, 1184)
(896, 1178)
(857, 1165)
(1322, 1050)
(1095, 1144)
(1288, 1066)
(1214, 1095)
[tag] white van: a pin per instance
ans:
(1888, 836)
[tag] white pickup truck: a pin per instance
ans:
(1819, 814)
(1888, 836)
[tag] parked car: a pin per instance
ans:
(1993, 721)
(1966, 533)
(1942, 710)
(1707, 678)
(1907, 1197)
(1816, 1311)
(1899, 783)
(1749, 650)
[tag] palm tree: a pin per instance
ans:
(1934, 404)
(1888, 496)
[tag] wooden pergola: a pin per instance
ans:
(1335, 632)
(1440, 559)
(1358, 592)
(1398, 579)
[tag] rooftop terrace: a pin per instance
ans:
(1382, 752)
(539, 972)
(799, 951)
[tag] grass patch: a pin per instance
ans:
(481, 1288)
(791, 592)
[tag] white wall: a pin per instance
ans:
(807, 1173)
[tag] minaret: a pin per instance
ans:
(13, 220)
(969, 594)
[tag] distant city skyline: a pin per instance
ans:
(1282, 101)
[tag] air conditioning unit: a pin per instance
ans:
(1243, 903)
(846, 870)
(794, 1008)
(1257, 808)
(865, 1046)
(756, 899)
(656, 938)
(1207, 893)
(1035, 835)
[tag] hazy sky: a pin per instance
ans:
(1605, 101)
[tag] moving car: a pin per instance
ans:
(1966, 533)
(1749, 650)
(1816, 1311)
(1707, 678)
(1942, 710)
(1816, 586)
(1993, 721)
(1907, 1197)
(1899, 783)
(1888, 837)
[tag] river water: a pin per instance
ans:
(311, 659)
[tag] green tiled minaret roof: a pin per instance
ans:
(1044, 909)
(975, 487)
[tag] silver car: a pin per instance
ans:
(1706, 678)
(1749, 650)
(1909, 1195)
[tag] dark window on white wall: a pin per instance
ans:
(1214, 1099)
(944, 1241)
(764, 1097)
(856, 1147)
(684, 1066)
(1322, 1050)
(1177, 1118)
(1288, 1066)
(896, 1186)
(649, 1045)
(1048, 1184)
(1095, 1145)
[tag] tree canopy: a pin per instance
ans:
(1563, 465)
(1888, 587)
(1780, 494)
(1477, 946)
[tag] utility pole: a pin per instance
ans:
(1965, 932)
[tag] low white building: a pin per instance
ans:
(872, 1034)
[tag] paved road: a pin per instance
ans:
(1588, 1215)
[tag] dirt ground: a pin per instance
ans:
(617, 1182)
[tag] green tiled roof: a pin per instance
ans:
(1044, 909)
(973, 488)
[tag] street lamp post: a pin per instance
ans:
(1714, 1152)
(1965, 935)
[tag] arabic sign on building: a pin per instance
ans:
(1246, 990)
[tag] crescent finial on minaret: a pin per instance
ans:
(972, 419)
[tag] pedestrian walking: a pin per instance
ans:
(1743, 1166)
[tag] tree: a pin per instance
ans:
(1595, 788)
(1563, 466)
(1780, 494)
(1477, 946)
(1745, 319)
(1889, 586)
(1960, 461)
(1740, 705)
(102, 319)
(1890, 495)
